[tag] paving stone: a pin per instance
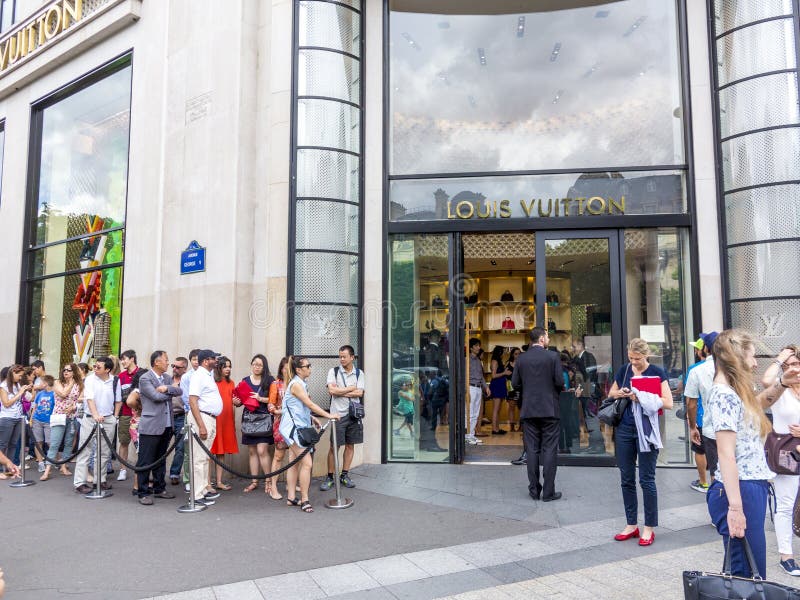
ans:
(291, 585)
(244, 590)
(439, 562)
(342, 579)
(392, 569)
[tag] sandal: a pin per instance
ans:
(65, 472)
(224, 487)
(251, 487)
(292, 502)
(306, 507)
(275, 494)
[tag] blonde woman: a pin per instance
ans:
(638, 439)
(737, 499)
(297, 413)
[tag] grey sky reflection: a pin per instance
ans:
(609, 95)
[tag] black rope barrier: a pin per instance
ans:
(248, 475)
(64, 461)
(130, 466)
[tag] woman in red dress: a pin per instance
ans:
(225, 441)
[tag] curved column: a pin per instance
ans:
(325, 281)
(755, 50)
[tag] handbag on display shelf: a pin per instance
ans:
(507, 296)
(508, 323)
(700, 585)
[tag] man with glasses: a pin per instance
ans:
(186, 379)
(103, 399)
(179, 367)
(205, 405)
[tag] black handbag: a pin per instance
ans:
(611, 410)
(306, 436)
(256, 424)
(700, 585)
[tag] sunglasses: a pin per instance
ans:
(67, 371)
(305, 366)
(178, 366)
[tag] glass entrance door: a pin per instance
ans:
(578, 299)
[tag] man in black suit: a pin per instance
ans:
(539, 373)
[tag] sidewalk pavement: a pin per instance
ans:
(416, 531)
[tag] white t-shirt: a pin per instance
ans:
(15, 410)
(103, 394)
(341, 404)
(205, 388)
(698, 385)
(785, 412)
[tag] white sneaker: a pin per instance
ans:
(41, 466)
(123, 475)
(472, 441)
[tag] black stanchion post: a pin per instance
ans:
(23, 452)
(98, 492)
(192, 507)
(337, 502)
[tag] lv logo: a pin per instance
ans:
(772, 325)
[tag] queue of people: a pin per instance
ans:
(62, 415)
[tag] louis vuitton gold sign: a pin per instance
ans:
(536, 207)
(39, 31)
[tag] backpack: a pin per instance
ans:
(355, 409)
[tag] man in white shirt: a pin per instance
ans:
(205, 404)
(102, 399)
(186, 379)
(698, 386)
(345, 383)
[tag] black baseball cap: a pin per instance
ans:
(206, 354)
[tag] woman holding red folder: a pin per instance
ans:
(638, 436)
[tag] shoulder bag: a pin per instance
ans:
(306, 436)
(612, 409)
(781, 452)
(254, 423)
(355, 408)
(699, 585)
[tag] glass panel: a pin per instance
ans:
(765, 213)
(577, 314)
(94, 251)
(323, 277)
(764, 157)
(775, 323)
(84, 162)
(547, 89)
(328, 74)
(324, 329)
(418, 395)
(534, 196)
(329, 26)
(327, 225)
(75, 318)
(327, 174)
(658, 298)
(753, 272)
(499, 291)
(328, 123)
(758, 49)
(733, 14)
(758, 103)
(8, 15)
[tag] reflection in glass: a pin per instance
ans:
(535, 196)
(98, 250)
(419, 324)
(84, 160)
(658, 303)
(547, 89)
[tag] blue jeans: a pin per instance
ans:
(627, 446)
(57, 434)
(754, 504)
(177, 458)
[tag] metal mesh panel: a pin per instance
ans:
(328, 123)
(318, 380)
(758, 49)
(758, 103)
(730, 14)
(329, 26)
(322, 277)
(774, 322)
(327, 226)
(328, 74)
(354, 3)
(766, 213)
(764, 157)
(324, 329)
(327, 174)
(754, 272)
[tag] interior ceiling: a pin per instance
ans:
(498, 7)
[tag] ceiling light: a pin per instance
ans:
(482, 57)
(411, 41)
(557, 96)
(602, 14)
(556, 50)
(520, 27)
(591, 70)
(635, 26)
(472, 102)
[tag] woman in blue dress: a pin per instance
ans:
(297, 409)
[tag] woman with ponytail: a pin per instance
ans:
(297, 409)
(737, 499)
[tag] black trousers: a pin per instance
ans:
(151, 448)
(541, 443)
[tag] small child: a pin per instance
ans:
(405, 407)
(42, 408)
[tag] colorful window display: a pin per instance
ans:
(74, 290)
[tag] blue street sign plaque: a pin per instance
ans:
(193, 259)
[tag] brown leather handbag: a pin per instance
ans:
(781, 452)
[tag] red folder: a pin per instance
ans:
(647, 384)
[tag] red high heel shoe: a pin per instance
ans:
(621, 537)
(644, 542)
